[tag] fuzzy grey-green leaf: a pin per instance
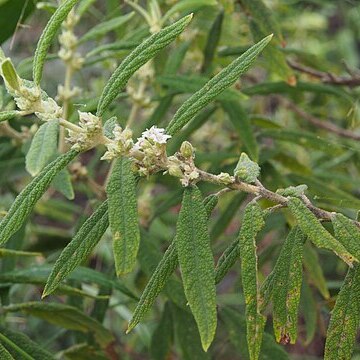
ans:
(26, 200)
(43, 147)
(79, 248)
(162, 273)
(311, 227)
(123, 215)
(287, 286)
(345, 319)
(215, 86)
(8, 115)
(66, 316)
(347, 233)
(197, 263)
(138, 57)
(106, 26)
(47, 37)
(253, 222)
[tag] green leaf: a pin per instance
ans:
(190, 84)
(15, 253)
(65, 316)
(8, 115)
(227, 260)
(197, 264)
(39, 275)
(10, 75)
(226, 216)
(287, 286)
(252, 223)
(246, 169)
(123, 215)
(311, 227)
(4, 354)
(345, 319)
(138, 57)
(235, 325)
(79, 248)
(47, 37)
(242, 124)
(21, 347)
(212, 42)
(309, 312)
(106, 26)
(314, 270)
(84, 6)
(43, 147)
(26, 200)
(187, 6)
(162, 337)
(62, 183)
(262, 22)
(187, 335)
(82, 351)
(215, 86)
(162, 273)
(275, 59)
(347, 233)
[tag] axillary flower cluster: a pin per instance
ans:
(149, 153)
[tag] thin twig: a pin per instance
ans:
(320, 123)
(326, 77)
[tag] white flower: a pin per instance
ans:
(155, 134)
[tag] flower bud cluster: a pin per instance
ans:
(89, 132)
(120, 145)
(31, 99)
(182, 165)
(69, 42)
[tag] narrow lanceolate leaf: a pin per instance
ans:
(212, 42)
(242, 124)
(252, 223)
(197, 264)
(43, 147)
(123, 215)
(215, 86)
(138, 57)
(21, 347)
(311, 227)
(345, 318)
(79, 248)
(162, 273)
(65, 316)
(47, 37)
(287, 287)
(15, 253)
(106, 26)
(8, 115)
(347, 233)
(26, 200)
(4, 354)
(187, 335)
(162, 336)
(314, 270)
(227, 260)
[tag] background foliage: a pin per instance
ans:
(295, 113)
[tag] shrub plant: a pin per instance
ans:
(168, 215)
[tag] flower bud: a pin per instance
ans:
(187, 150)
